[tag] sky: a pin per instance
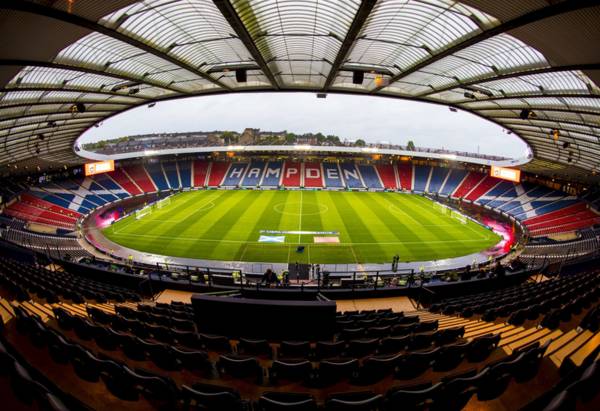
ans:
(374, 119)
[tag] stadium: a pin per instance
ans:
(255, 270)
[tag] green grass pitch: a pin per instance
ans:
(373, 227)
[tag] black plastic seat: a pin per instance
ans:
(186, 338)
(354, 401)
(133, 348)
(63, 317)
(413, 364)
(192, 360)
(449, 335)
(422, 340)
(280, 401)
(361, 347)
(400, 399)
(291, 370)
(211, 398)
(352, 333)
(239, 366)
(376, 368)
(426, 326)
(394, 345)
(481, 347)
(450, 356)
(293, 349)
(563, 401)
(336, 369)
(250, 346)
(402, 329)
(163, 356)
(329, 349)
(218, 343)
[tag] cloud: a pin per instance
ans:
(371, 118)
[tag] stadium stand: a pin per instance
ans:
(454, 179)
(157, 175)
(172, 174)
(74, 202)
(145, 353)
(421, 178)
(438, 176)
(139, 175)
(273, 174)
(185, 173)
(123, 180)
(53, 245)
(234, 175)
(468, 184)
(351, 176)
(313, 175)
(387, 175)
(405, 176)
(254, 174)
(200, 173)
(29, 213)
(332, 175)
(542, 210)
(218, 170)
(483, 187)
(370, 177)
(292, 174)
(108, 184)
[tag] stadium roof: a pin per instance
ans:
(493, 58)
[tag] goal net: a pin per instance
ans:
(441, 208)
(458, 216)
(163, 203)
(141, 213)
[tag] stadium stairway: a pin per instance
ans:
(570, 345)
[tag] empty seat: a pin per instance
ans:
(361, 347)
(450, 356)
(336, 369)
(211, 398)
(251, 346)
(239, 366)
(359, 401)
(405, 399)
(481, 347)
(376, 368)
(277, 401)
(293, 370)
(329, 349)
(294, 349)
(394, 344)
(449, 335)
(413, 364)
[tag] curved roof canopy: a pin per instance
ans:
(532, 66)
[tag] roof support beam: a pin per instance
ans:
(529, 18)
(29, 7)
(119, 76)
(363, 12)
(229, 13)
(521, 73)
(546, 120)
(523, 97)
(80, 91)
(63, 103)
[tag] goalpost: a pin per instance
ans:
(441, 208)
(458, 216)
(163, 203)
(141, 213)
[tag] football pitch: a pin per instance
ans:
(268, 226)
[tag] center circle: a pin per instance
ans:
(307, 208)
